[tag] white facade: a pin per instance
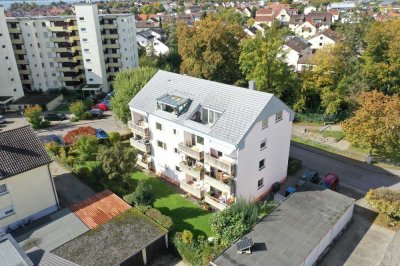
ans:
(320, 41)
(10, 83)
(305, 30)
(309, 9)
(67, 51)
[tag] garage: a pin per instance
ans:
(297, 232)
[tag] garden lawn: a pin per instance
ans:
(184, 213)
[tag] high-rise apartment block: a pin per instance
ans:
(85, 50)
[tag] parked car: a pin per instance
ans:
(330, 181)
(2, 119)
(55, 117)
(95, 113)
(101, 106)
(308, 176)
(56, 139)
(290, 190)
(101, 134)
(106, 102)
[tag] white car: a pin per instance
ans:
(2, 119)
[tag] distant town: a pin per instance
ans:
(200, 133)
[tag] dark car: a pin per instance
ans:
(95, 113)
(55, 117)
(330, 181)
(2, 119)
(308, 176)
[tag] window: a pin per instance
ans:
(83, 29)
(200, 140)
(278, 116)
(86, 50)
(90, 79)
(177, 168)
(45, 34)
(81, 18)
(6, 212)
(43, 24)
(3, 189)
(261, 164)
(87, 60)
(209, 116)
(260, 183)
(3, 46)
(174, 130)
(162, 145)
(176, 150)
(89, 70)
(158, 126)
(264, 123)
(263, 144)
(84, 39)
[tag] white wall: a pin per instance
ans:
(292, 57)
(305, 30)
(128, 42)
(276, 156)
(320, 41)
(10, 82)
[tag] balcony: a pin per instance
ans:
(76, 48)
(140, 128)
(77, 78)
(111, 45)
(26, 82)
(20, 51)
(73, 38)
(192, 151)
(221, 163)
(215, 202)
(62, 59)
(17, 41)
(117, 64)
(57, 28)
(58, 39)
(219, 184)
(72, 28)
(77, 58)
(24, 71)
(60, 49)
(22, 62)
(14, 30)
(193, 188)
(110, 36)
(109, 26)
(116, 55)
(194, 171)
(141, 145)
(144, 161)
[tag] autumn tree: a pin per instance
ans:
(127, 83)
(34, 116)
(262, 59)
(75, 135)
(210, 50)
(382, 56)
(375, 125)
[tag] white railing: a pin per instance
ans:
(191, 190)
(220, 163)
(140, 145)
(215, 203)
(218, 184)
(193, 152)
(141, 129)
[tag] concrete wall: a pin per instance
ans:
(29, 193)
(10, 82)
(127, 41)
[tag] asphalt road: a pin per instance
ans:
(356, 176)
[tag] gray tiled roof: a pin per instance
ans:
(20, 151)
(240, 107)
(43, 258)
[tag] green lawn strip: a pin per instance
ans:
(184, 213)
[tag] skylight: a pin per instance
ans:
(173, 104)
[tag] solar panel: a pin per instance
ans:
(244, 245)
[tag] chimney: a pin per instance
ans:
(252, 85)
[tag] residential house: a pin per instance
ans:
(297, 51)
(214, 140)
(335, 14)
(310, 24)
(245, 11)
(193, 9)
(341, 6)
(309, 9)
(388, 6)
(27, 190)
(251, 31)
(322, 39)
(280, 12)
(153, 42)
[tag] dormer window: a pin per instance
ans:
(173, 104)
(209, 116)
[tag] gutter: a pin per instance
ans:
(54, 187)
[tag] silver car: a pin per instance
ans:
(2, 119)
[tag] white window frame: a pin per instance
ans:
(7, 209)
(262, 183)
(5, 191)
(212, 115)
(163, 144)
(265, 144)
(159, 124)
(262, 167)
(264, 123)
(278, 116)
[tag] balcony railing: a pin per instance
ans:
(194, 171)
(197, 192)
(193, 151)
(218, 184)
(220, 163)
(141, 129)
(144, 162)
(215, 202)
(17, 41)
(140, 145)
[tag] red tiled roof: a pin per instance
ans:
(100, 208)
(262, 19)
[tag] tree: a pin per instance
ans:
(34, 115)
(262, 59)
(117, 161)
(75, 135)
(230, 15)
(387, 202)
(210, 50)
(375, 124)
(87, 147)
(127, 83)
(144, 194)
(78, 109)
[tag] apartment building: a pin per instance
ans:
(68, 51)
(27, 190)
(215, 141)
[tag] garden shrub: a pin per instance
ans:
(294, 165)
(128, 198)
(144, 194)
(78, 109)
(387, 202)
(87, 147)
(53, 148)
(153, 214)
(114, 137)
(75, 135)
(143, 208)
(165, 221)
(70, 160)
(34, 117)
(126, 136)
(187, 237)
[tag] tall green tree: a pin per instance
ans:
(211, 50)
(262, 59)
(127, 84)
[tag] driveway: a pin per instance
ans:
(363, 243)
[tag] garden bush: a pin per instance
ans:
(126, 136)
(34, 117)
(128, 198)
(294, 165)
(144, 194)
(114, 137)
(165, 221)
(75, 135)
(87, 147)
(78, 109)
(153, 213)
(187, 237)
(387, 202)
(143, 208)
(53, 148)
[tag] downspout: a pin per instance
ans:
(54, 187)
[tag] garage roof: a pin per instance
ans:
(289, 234)
(100, 208)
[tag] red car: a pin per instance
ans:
(330, 181)
(101, 106)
